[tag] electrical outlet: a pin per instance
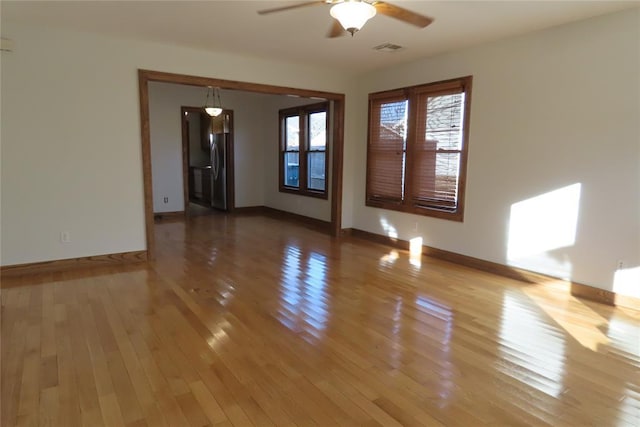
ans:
(415, 226)
(166, 200)
(65, 237)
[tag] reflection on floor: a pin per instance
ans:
(247, 320)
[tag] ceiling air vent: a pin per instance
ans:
(388, 47)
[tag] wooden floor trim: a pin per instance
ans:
(73, 263)
(577, 289)
(603, 296)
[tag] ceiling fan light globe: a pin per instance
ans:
(213, 111)
(352, 15)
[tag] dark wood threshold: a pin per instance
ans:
(73, 263)
(577, 289)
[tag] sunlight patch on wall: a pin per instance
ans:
(389, 229)
(544, 222)
(415, 252)
(541, 224)
(626, 281)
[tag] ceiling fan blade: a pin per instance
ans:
(402, 14)
(336, 30)
(292, 6)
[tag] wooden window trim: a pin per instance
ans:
(303, 112)
(412, 94)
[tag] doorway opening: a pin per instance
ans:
(207, 161)
(337, 132)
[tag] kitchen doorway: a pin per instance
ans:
(207, 161)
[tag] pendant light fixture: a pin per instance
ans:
(352, 14)
(215, 108)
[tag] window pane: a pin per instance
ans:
(292, 125)
(444, 121)
(318, 131)
(393, 121)
(315, 166)
(387, 150)
(291, 170)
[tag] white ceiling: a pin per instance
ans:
(299, 35)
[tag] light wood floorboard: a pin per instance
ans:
(253, 321)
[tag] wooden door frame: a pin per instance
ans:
(228, 158)
(146, 76)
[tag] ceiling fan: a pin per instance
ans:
(351, 15)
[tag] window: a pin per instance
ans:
(417, 148)
(303, 150)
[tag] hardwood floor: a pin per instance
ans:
(248, 320)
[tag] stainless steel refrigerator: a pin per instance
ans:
(219, 146)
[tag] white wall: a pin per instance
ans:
(166, 144)
(549, 110)
(79, 166)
